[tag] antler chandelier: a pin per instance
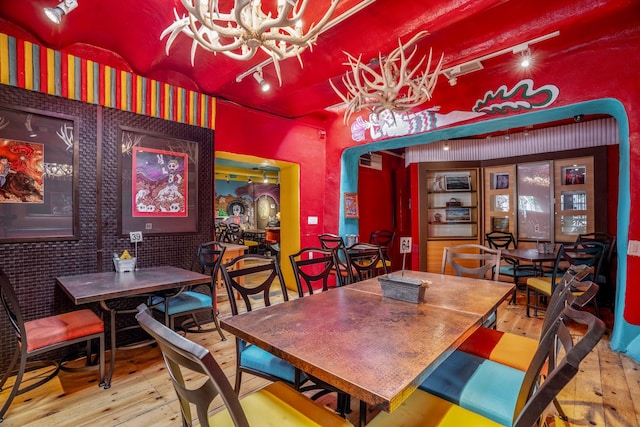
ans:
(245, 28)
(396, 87)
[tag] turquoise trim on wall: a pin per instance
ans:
(625, 337)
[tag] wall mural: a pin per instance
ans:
(522, 97)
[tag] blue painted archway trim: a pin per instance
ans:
(625, 337)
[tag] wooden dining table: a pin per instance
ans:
(376, 349)
(106, 287)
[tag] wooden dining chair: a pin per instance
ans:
(313, 269)
(257, 279)
(472, 260)
(196, 299)
(366, 261)
(510, 267)
(588, 254)
(465, 390)
(606, 278)
(384, 239)
(198, 379)
(336, 243)
(41, 335)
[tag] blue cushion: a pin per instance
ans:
(507, 270)
(186, 301)
(479, 385)
(253, 357)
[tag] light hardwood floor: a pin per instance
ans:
(605, 393)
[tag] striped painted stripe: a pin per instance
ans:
(30, 66)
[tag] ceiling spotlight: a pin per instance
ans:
(55, 13)
(507, 137)
(578, 118)
(264, 85)
(249, 181)
(525, 61)
(445, 147)
(228, 179)
(264, 177)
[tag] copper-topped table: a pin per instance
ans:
(102, 287)
(531, 255)
(475, 296)
(374, 348)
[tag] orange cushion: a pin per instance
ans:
(63, 327)
(509, 349)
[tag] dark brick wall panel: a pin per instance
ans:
(32, 267)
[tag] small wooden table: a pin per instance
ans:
(106, 286)
(531, 255)
(376, 349)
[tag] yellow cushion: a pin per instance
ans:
(250, 243)
(542, 284)
(387, 263)
(422, 409)
(279, 405)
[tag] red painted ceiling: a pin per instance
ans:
(126, 34)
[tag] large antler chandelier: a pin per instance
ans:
(395, 87)
(246, 27)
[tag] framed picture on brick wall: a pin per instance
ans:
(158, 183)
(38, 175)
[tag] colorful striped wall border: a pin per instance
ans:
(29, 66)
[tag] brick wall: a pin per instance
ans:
(32, 267)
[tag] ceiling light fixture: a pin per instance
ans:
(228, 179)
(63, 8)
(525, 61)
(445, 147)
(395, 87)
(249, 181)
(239, 32)
(264, 85)
(476, 64)
(264, 177)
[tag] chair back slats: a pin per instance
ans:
(534, 397)
(365, 260)
(384, 239)
(501, 240)
(252, 275)
(313, 267)
(472, 260)
(182, 354)
(580, 253)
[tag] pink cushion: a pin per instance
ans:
(63, 327)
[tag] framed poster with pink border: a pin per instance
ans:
(158, 183)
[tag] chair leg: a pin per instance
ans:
(12, 365)
(362, 419)
(15, 390)
(561, 413)
(217, 323)
(238, 380)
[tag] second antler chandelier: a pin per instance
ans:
(392, 85)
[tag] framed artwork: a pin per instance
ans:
(501, 181)
(574, 175)
(38, 175)
(158, 183)
(500, 223)
(351, 205)
(458, 215)
(457, 183)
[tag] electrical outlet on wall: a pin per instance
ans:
(634, 248)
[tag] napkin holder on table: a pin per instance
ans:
(403, 288)
(124, 265)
